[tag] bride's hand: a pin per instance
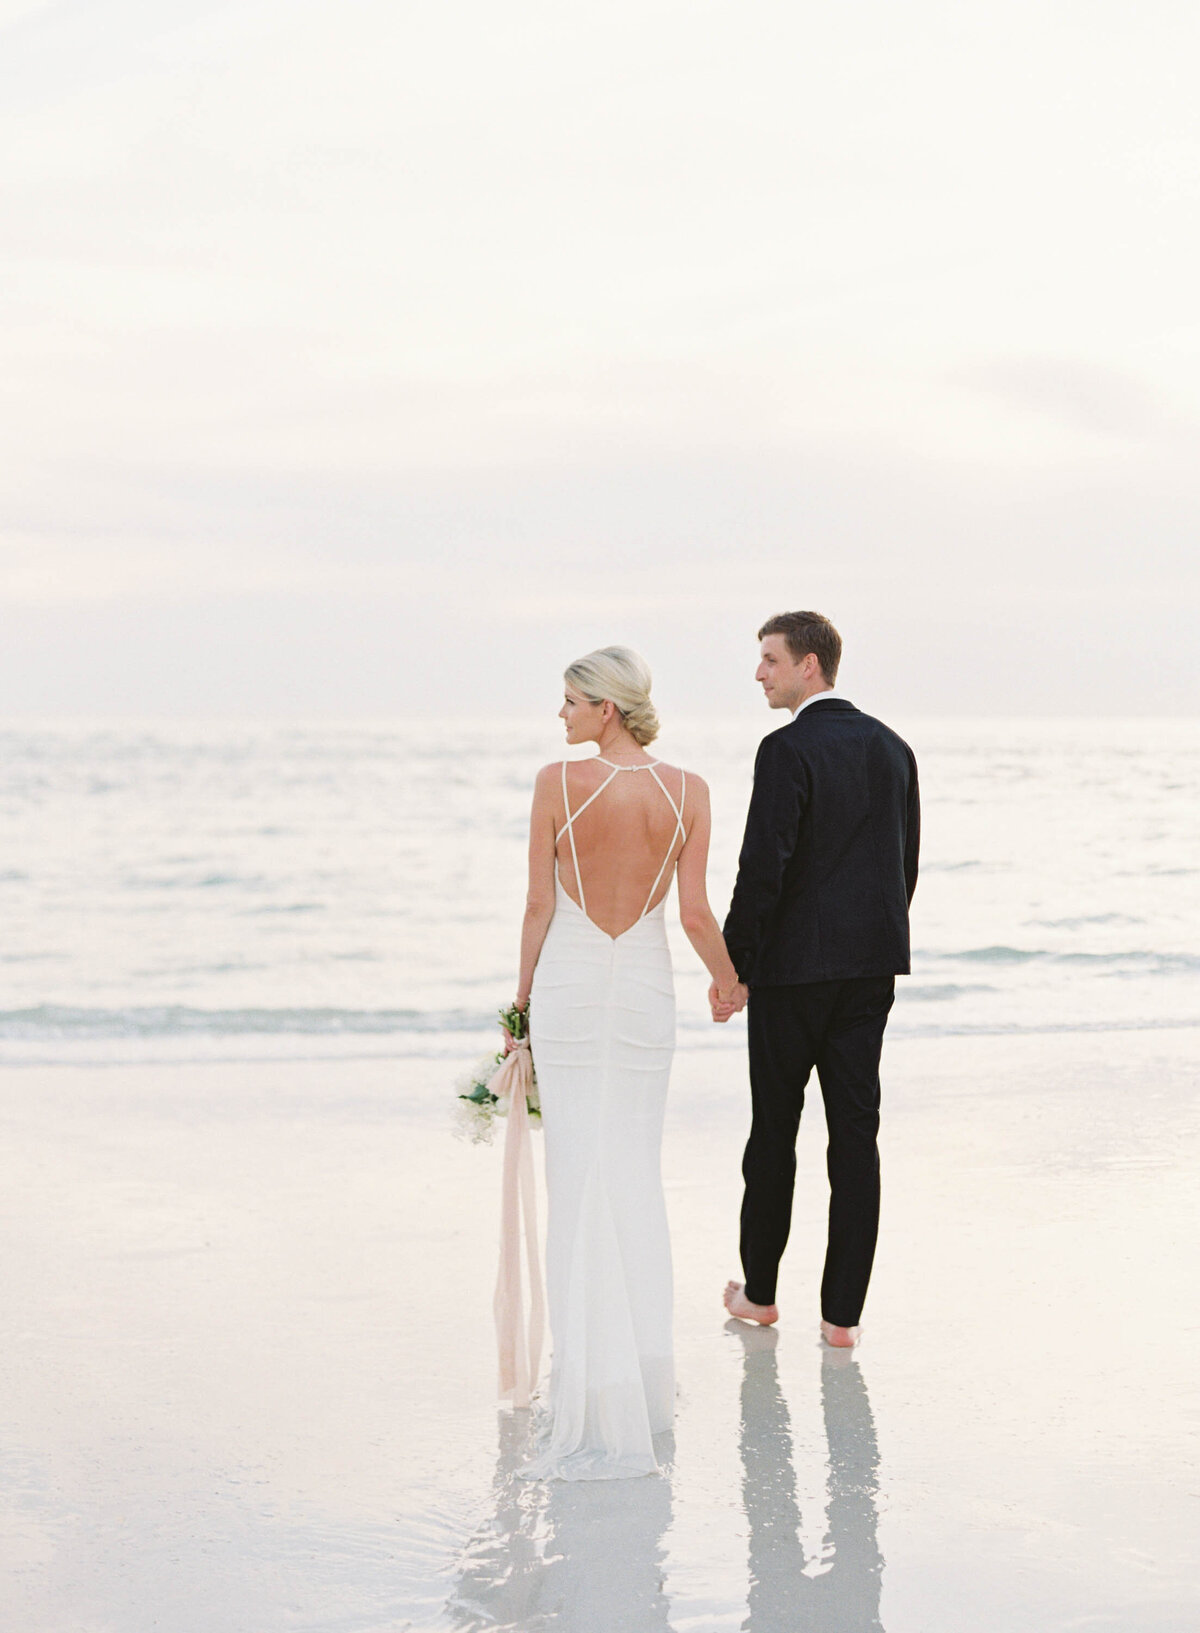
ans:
(721, 1010)
(510, 1043)
(724, 1005)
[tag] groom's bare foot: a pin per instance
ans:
(840, 1337)
(739, 1305)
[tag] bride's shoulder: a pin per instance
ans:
(578, 774)
(692, 781)
(549, 777)
(682, 771)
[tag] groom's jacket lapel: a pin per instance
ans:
(829, 859)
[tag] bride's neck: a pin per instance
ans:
(619, 745)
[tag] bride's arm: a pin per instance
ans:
(695, 914)
(539, 902)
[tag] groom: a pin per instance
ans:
(818, 931)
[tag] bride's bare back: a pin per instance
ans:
(619, 831)
(613, 832)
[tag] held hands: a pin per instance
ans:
(730, 1002)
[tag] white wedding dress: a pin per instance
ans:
(603, 1033)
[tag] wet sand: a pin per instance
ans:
(247, 1369)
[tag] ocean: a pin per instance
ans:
(242, 891)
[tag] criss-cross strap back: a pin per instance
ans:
(568, 826)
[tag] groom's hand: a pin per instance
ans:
(732, 1003)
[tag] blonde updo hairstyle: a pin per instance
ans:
(617, 675)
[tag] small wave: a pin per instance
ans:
(1135, 963)
(1080, 923)
(285, 907)
(1140, 961)
(1037, 1029)
(60, 1022)
(1155, 873)
(196, 881)
(177, 972)
(942, 992)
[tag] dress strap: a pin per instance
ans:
(676, 831)
(568, 826)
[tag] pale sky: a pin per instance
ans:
(376, 357)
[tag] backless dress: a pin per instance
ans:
(603, 1035)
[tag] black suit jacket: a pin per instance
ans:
(829, 861)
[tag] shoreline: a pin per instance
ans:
(432, 1045)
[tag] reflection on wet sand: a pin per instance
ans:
(581, 1556)
(784, 1593)
(589, 1556)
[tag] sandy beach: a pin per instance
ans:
(247, 1377)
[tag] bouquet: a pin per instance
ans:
(478, 1107)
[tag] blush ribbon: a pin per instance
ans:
(519, 1340)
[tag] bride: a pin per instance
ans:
(606, 836)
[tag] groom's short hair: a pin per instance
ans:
(807, 632)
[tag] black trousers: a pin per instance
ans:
(836, 1026)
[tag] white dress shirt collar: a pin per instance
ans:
(817, 697)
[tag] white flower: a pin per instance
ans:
(473, 1123)
(486, 1070)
